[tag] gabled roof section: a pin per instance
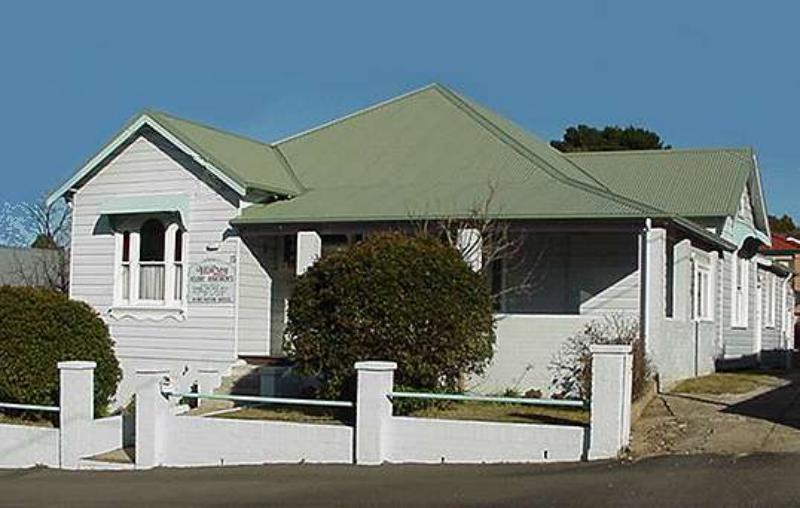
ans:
(691, 183)
(241, 163)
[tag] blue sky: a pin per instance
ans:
(699, 73)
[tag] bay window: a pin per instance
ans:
(149, 261)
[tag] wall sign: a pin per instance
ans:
(212, 280)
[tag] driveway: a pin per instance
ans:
(767, 420)
(757, 480)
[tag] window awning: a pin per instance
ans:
(159, 203)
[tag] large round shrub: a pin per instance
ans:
(408, 299)
(38, 329)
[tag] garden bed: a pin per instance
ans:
(14, 418)
(504, 413)
(287, 414)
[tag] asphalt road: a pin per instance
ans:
(754, 480)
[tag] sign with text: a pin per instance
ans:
(212, 280)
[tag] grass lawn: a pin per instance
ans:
(506, 413)
(288, 414)
(727, 383)
(478, 411)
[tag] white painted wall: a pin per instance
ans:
(423, 440)
(254, 313)
(206, 337)
(524, 351)
(198, 441)
(28, 446)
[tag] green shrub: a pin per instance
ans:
(408, 299)
(38, 329)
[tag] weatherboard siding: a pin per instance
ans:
(254, 303)
(738, 341)
(206, 336)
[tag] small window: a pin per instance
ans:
(669, 276)
(702, 294)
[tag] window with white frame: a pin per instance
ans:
(769, 301)
(740, 288)
(150, 262)
(702, 294)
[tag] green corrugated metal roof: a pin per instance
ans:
(250, 163)
(691, 183)
(432, 153)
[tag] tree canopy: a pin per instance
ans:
(585, 138)
(784, 224)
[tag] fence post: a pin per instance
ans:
(152, 417)
(76, 403)
(208, 380)
(373, 410)
(612, 379)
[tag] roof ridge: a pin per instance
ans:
(353, 114)
(148, 111)
(527, 153)
(455, 99)
(655, 151)
(288, 168)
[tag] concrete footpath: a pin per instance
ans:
(755, 480)
(767, 420)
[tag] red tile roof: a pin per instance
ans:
(782, 242)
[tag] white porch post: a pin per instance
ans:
(309, 249)
(76, 403)
(682, 281)
(134, 267)
(612, 384)
(653, 242)
(470, 245)
(373, 410)
(169, 264)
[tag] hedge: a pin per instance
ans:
(38, 329)
(408, 299)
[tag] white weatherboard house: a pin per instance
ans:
(187, 239)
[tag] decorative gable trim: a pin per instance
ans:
(85, 172)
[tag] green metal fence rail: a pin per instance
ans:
(30, 407)
(265, 400)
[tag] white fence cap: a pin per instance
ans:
(76, 365)
(611, 349)
(376, 365)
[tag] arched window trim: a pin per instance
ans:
(151, 283)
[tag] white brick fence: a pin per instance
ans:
(164, 438)
(78, 436)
